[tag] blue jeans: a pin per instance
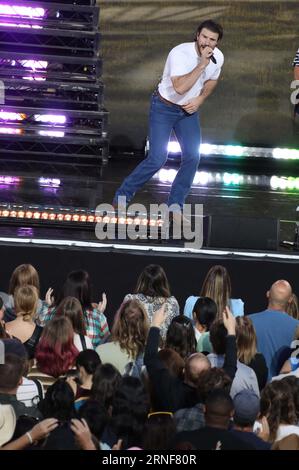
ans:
(162, 120)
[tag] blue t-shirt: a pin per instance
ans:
(275, 331)
(236, 306)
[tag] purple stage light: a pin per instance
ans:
(26, 232)
(50, 118)
(22, 12)
(21, 25)
(7, 116)
(58, 134)
(33, 64)
(49, 182)
(10, 131)
(9, 180)
(37, 79)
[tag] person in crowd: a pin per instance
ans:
(274, 328)
(24, 327)
(78, 285)
(204, 313)
(130, 408)
(245, 377)
(58, 402)
(29, 392)
(87, 362)
(277, 404)
(292, 307)
(215, 435)
(129, 334)
(105, 382)
(23, 275)
(71, 308)
(192, 418)
(152, 291)
(173, 392)
(246, 412)
(292, 363)
(180, 336)
(11, 373)
(158, 431)
(35, 434)
(96, 417)
(56, 353)
(217, 286)
(247, 350)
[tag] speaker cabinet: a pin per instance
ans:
(243, 232)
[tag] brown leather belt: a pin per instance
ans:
(167, 101)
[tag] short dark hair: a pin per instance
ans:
(211, 26)
(205, 310)
(11, 372)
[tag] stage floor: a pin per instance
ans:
(254, 192)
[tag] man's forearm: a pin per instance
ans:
(208, 88)
(296, 72)
(184, 83)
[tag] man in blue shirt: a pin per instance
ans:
(274, 328)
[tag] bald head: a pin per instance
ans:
(195, 365)
(280, 294)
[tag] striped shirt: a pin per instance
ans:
(28, 392)
(95, 323)
(296, 59)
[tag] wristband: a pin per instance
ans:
(29, 437)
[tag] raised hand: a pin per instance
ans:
(49, 299)
(159, 317)
(102, 304)
(229, 321)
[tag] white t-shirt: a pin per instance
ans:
(78, 344)
(181, 60)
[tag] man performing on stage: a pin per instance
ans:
(190, 75)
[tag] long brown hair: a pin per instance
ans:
(71, 308)
(153, 282)
(130, 327)
(26, 299)
(23, 275)
(217, 286)
(246, 339)
(277, 404)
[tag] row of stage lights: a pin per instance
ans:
(239, 151)
(77, 216)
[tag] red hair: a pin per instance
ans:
(56, 353)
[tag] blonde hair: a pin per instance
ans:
(23, 275)
(246, 340)
(292, 307)
(26, 299)
(217, 286)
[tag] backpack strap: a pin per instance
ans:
(83, 342)
(39, 388)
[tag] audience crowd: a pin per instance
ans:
(208, 376)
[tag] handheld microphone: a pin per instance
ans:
(213, 59)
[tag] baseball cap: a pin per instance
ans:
(247, 406)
